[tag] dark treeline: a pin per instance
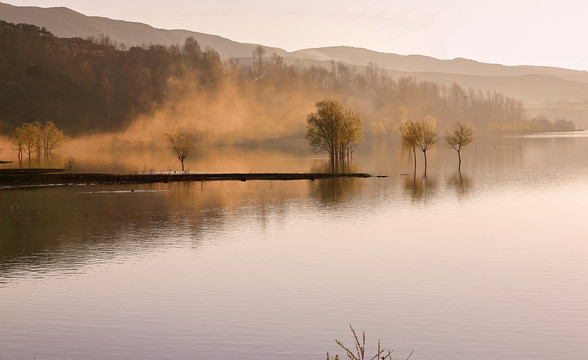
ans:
(92, 85)
(87, 85)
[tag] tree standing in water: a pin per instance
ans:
(18, 139)
(334, 129)
(182, 143)
(410, 137)
(51, 136)
(419, 134)
(461, 135)
(427, 135)
(36, 137)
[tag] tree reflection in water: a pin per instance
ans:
(420, 188)
(337, 190)
(461, 184)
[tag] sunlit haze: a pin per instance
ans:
(547, 33)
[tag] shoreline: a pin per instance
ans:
(29, 177)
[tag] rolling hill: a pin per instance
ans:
(535, 85)
(66, 23)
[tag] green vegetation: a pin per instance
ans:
(334, 129)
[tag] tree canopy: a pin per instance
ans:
(410, 136)
(334, 129)
(36, 137)
(182, 143)
(460, 136)
(419, 134)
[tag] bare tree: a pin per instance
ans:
(334, 129)
(427, 131)
(461, 135)
(182, 143)
(191, 50)
(258, 60)
(69, 163)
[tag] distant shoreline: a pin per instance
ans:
(15, 178)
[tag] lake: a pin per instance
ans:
(486, 264)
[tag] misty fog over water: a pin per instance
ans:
(485, 264)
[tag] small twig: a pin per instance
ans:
(410, 354)
(349, 352)
(360, 349)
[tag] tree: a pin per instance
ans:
(410, 137)
(36, 132)
(18, 139)
(427, 131)
(51, 136)
(461, 135)
(31, 137)
(334, 129)
(36, 137)
(192, 51)
(182, 143)
(419, 134)
(258, 61)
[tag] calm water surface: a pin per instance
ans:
(491, 264)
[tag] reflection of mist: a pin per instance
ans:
(420, 188)
(460, 183)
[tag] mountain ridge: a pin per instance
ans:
(547, 84)
(65, 22)
(421, 63)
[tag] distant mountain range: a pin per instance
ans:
(535, 85)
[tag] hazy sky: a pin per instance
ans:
(511, 32)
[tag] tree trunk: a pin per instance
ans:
(459, 157)
(182, 165)
(425, 155)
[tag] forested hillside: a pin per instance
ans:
(85, 86)
(89, 86)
